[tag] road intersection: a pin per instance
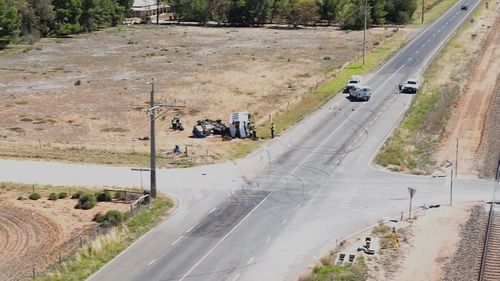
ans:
(270, 215)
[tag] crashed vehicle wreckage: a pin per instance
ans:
(240, 127)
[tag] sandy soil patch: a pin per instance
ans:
(426, 245)
(87, 92)
(468, 119)
(33, 233)
(435, 236)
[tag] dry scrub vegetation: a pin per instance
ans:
(81, 99)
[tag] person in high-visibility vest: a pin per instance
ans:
(272, 130)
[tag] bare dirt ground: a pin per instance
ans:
(86, 94)
(426, 245)
(467, 122)
(33, 233)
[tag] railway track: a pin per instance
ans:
(489, 269)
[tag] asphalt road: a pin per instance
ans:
(318, 187)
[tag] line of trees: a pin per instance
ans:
(349, 14)
(29, 20)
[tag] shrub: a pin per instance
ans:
(104, 196)
(99, 217)
(120, 195)
(34, 196)
(112, 218)
(62, 195)
(53, 196)
(86, 201)
(327, 58)
(78, 82)
(76, 195)
(20, 198)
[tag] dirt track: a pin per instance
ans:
(24, 238)
(468, 119)
(36, 233)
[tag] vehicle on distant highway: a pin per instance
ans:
(360, 93)
(411, 86)
(354, 81)
(464, 7)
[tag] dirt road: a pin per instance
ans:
(467, 123)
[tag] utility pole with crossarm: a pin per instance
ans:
(152, 118)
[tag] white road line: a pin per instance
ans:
(310, 191)
(236, 277)
(284, 221)
(423, 45)
(299, 205)
(211, 211)
(429, 40)
(250, 260)
(151, 262)
(356, 140)
(268, 240)
(191, 228)
(177, 240)
(223, 238)
(371, 123)
(349, 148)
(416, 52)
(342, 124)
(343, 155)
(337, 162)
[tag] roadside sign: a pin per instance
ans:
(412, 191)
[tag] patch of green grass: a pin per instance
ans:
(331, 272)
(90, 259)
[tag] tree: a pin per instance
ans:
(352, 15)
(67, 16)
(328, 9)
(217, 10)
(301, 12)
(10, 23)
(378, 11)
(400, 11)
(98, 14)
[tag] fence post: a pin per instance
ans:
(81, 241)
(34, 273)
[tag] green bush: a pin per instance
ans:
(120, 195)
(62, 195)
(76, 195)
(104, 196)
(99, 217)
(86, 201)
(111, 218)
(34, 196)
(53, 196)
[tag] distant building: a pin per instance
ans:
(143, 8)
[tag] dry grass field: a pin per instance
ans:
(81, 99)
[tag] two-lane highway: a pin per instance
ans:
(318, 189)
